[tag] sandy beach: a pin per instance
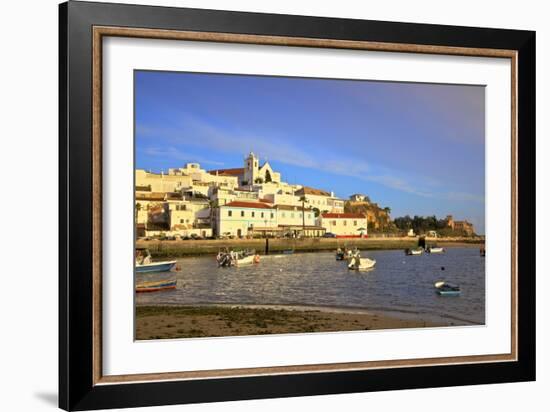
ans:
(170, 322)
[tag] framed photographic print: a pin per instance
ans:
(256, 205)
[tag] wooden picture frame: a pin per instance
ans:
(82, 27)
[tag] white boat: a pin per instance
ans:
(435, 250)
(241, 258)
(412, 252)
(246, 260)
(359, 263)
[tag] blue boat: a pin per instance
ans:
(156, 267)
(144, 263)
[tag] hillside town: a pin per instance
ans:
(252, 201)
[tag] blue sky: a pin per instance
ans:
(417, 148)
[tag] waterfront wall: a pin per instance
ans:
(180, 248)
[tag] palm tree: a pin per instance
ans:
(303, 200)
(138, 208)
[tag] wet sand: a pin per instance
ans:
(170, 322)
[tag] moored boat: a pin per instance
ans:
(156, 286)
(237, 258)
(413, 252)
(359, 263)
(447, 289)
(433, 249)
(145, 264)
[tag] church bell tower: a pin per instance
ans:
(251, 168)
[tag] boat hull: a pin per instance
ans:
(365, 264)
(448, 293)
(149, 287)
(247, 260)
(156, 267)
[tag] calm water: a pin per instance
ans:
(398, 283)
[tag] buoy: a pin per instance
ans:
(257, 259)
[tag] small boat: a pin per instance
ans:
(447, 289)
(240, 258)
(413, 252)
(156, 286)
(359, 263)
(144, 263)
(340, 255)
(433, 249)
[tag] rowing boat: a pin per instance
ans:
(156, 286)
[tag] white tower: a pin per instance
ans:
(251, 168)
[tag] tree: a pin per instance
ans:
(387, 210)
(138, 208)
(303, 200)
(316, 212)
(268, 176)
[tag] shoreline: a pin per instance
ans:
(183, 248)
(173, 321)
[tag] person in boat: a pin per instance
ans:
(147, 260)
(139, 257)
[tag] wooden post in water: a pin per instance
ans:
(267, 246)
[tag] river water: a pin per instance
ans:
(399, 283)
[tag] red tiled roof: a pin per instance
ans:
(290, 207)
(228, 172)
(251, 205)
(343, 215)
(152, 196)
(312, 191)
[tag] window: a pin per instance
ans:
(345, 222)
(334, 222)
(272, 216)
(253, 213)
(229, 213)
(355, 223)
(181, 220)
(242, 213)
(262, 214)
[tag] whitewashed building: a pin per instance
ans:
(344, 224)
(240, 219)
